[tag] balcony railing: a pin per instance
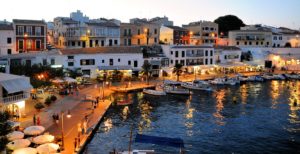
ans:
(14, 98)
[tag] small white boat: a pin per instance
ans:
(292, 76)
(177, 90)
(225, 81)
(273, 77)
(196, 86)
(138, 152)
(154, 92)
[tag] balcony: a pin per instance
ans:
(14, 98)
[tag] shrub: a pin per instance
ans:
(53, 98)
(48, 101)
(39, 106)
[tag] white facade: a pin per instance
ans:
(227, 54)
(7, 41)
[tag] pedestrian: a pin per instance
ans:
(78, 142)
(34, 119)
(57, 118)
(75, 144)
(85, 127)
(38, 121)
(79, 129)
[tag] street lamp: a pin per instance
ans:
(62, 127)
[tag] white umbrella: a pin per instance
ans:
(47, 148)
(15, 135)
(43, 139)
(69, 79)
(86, 76)
(57, 81)
(25, 151)
(34, 130)
(18, 144)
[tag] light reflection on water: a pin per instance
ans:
(264, 119)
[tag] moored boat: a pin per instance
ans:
(196, 86)
(154, 92)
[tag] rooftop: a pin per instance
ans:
(191, 46)
(32, 54)
(103, 50)
(6, 27)
(5, 76)
(106, 24)
(24, 21)
(227, 47)
(177, 28)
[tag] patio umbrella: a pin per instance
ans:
(18, 144)
(25, 151)
(34, 130)
(86, 76)
(15, 135)
(47, 148)
(69, 79)
(43, 139)
(57, 81)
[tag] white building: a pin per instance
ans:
(227, 54)
(14, 90)
(191, 57)
(7, 39)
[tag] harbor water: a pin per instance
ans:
(247, 118)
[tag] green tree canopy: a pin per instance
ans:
(177, 70)
(5, 129)
(146, 70)
(228, 23)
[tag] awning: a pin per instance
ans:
(16, 85)
(173, 142)
(114, 67)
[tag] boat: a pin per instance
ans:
(273, 76)
(138, 152)
(154, 92)
(177, 90)
(259, 78)
(292, 76)
(197, 85)
(225, 81)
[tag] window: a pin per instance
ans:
(155, 31)
(116, 42)
(129, 32)
(44, 61)
(211, 61)
(110, 42)
(171, 52)
(171, 61)
(182, 62)
(211, 53)
(139, 41)
(206, 61)
(111, 62)
(182, 54)
(280, 37)
(103, 61)
(70, 57)
(38, 44)
(262, 43)
(129, 42)
(87, 62)
(176, 53)
(73, 43)
(119, 60)
(129, 62)
(155, 40)
(139, 31)
(256, 43)
(70, 63)
(250, 43)
(28, 44)
(125, 32)
(268, 43)
(9, 40)
(8, 51)
(206, 52)
(225, 57)
(275, 38)
(237, 43)
(20, 30)
(245, 43)
(38, 31)
(125, 42)
(78, 43)
(52, 61)
(20, 44)
(29, 30)
(135, 63)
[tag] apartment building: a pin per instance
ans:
(31, 35)
(202, 32)
(7, 39)
(250, 38)
(174, 35)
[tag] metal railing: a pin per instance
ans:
(14, 98)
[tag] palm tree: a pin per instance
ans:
(147, 69)
(177, 70)
(5, 129)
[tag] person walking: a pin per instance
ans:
(79, 129)
(34, 119)
(38, 121)
(85, 127)
(75, 144)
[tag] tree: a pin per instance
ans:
(177, 70)
(146, 70)
(5, 129)
(228, 23)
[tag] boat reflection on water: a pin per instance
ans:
(264, 118)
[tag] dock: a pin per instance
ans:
(135, 87)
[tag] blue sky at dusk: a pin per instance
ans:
(271, 12)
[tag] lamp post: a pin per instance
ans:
(25, 37)
(62, 128)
